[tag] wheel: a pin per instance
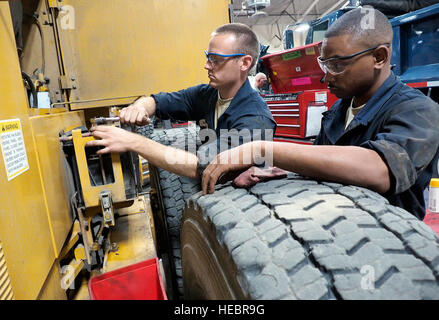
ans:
(300, 239)
(147, 130)
(168, 195)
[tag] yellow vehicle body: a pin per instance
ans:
(115, 51)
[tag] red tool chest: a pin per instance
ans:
(299, 94)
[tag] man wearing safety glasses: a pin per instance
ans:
(228, 102)
(381, 134)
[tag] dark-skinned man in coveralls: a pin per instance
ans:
(381, 134)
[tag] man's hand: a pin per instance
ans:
(238, 158)
(138, 112)
(113, 139)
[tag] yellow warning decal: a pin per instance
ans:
(13, 148)
(8, 126)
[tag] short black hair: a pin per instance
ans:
(368, 26)
(247, 41)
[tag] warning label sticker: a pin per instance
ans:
(310, 51)
(13, 148)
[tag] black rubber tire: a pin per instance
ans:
(147, 130)
(299, 239)
(173, 191)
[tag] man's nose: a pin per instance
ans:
(328, 77)
(207, 65)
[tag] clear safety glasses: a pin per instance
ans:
(216, 59)
(338, 65)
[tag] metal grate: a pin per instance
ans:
(5, 282)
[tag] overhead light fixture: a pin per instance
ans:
(251, 8)
(259, 14)
(255, 5)
(258, 4)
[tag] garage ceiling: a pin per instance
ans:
(270, 22)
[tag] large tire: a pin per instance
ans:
(146, 130)
(169, 193)
(299, 239)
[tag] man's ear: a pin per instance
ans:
(381, 56)
(246, 63)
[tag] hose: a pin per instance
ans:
(29, 82)
(35, 20)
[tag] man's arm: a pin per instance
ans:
(115, 139)
(343, 164)
(178, 105)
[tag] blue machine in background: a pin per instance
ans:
(416, 47)
(319, 27)
(415, 57)
(315, 29)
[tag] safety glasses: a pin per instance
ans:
(216, 59)
(338, 65)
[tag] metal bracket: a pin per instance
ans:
(67, 82)
(107, 207)
(87, 237)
